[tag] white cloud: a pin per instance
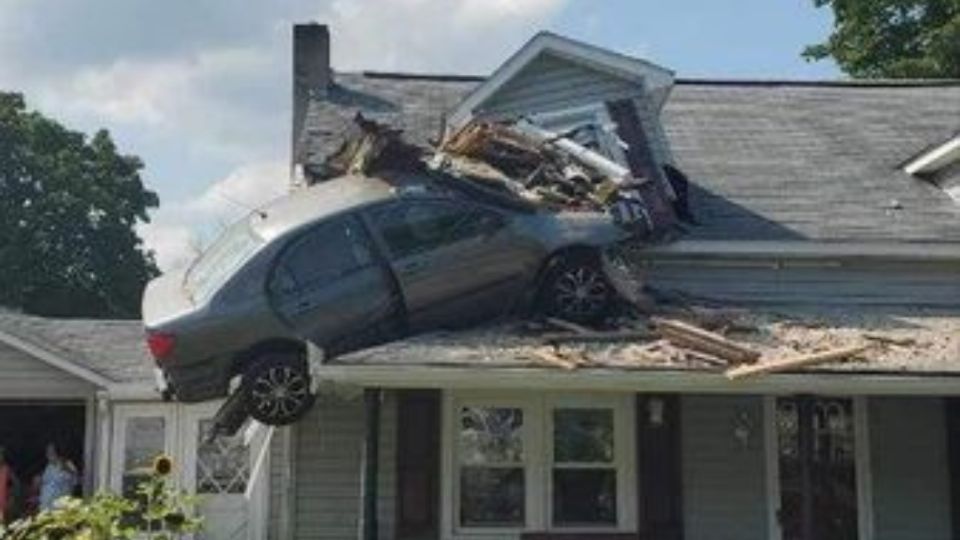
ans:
(211, 85)
(177, 233)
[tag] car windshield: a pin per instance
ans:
(221, 259)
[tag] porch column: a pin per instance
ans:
(371, 459)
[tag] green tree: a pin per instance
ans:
(68, 208)
(893, 38)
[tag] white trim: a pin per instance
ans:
(771, 250)
(935, 158)
(55, 360)
(537, 462)
(90, 427)
(620, 65)
(620, 380)
(861, 444)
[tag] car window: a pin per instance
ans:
(221, 259)
(418, 227)
(322, 255)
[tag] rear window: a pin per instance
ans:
(221, 259)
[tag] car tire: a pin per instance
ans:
(277, 389)
(576, 289)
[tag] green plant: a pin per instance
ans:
(156, 511)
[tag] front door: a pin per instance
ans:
(816, 458)
(221, 472)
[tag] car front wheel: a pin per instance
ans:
(576, 289)
(277, 389)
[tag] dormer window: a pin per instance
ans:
(940, 166)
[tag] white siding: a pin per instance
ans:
(911, 491)
(329, 447)
(24, 377)
(874, 284)
(724, 491)
(550, 83)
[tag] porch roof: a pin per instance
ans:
(112, 351)
(908, 342)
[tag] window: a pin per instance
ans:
(219, 261)
(584, 467)
(491, 467)
(418, 227)
(322, 255)
(145, 439)
(547, 462)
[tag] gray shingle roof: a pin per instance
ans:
(767, 160)
(111, 348)
(805, 161)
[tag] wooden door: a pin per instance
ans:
(816, 458)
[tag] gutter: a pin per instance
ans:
(806, 250)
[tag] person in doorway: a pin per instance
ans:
(58, 479)
(8, 482)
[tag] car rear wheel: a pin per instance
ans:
(576, 289)
(277, 389)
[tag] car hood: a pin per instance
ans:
(165, 299)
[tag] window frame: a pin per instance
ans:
(470, 209)
(279, 262)
(537, 437)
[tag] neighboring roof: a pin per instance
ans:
(801, 161)
(910, 342)
(656, 79)
(112, 350)
(768, 160)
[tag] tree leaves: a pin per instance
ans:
(68, 208)
(893, 38)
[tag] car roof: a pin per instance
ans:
(308, 205)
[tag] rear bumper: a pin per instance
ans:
(199, 381)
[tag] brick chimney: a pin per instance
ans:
(312, 77)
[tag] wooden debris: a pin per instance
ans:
(692, 337)
(594, 337)
(785, 364)
(888, 340)
(567, 325)
(551, 357)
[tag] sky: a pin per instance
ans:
(200, 89)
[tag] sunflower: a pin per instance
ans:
(162, 465)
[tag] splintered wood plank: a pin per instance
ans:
(786, 364)
(693, 337)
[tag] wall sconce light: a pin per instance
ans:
(742, 428)
(655, 412)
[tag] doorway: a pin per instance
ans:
(26, 429)
(816, 448)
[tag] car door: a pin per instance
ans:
(456, 262)
(329, 284)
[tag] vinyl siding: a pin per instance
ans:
(829, 284)
(724, 490)
(911, 492)
(329, 448)
(550, 83)
(24, 377)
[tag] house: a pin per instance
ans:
(88, 387)
(830, 202)
(826, 198)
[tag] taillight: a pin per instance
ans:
(160, 344)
